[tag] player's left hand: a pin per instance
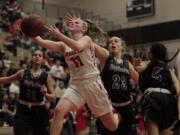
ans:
(44, 90)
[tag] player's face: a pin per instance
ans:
(37, 57)
(115, 45)
(76, 25)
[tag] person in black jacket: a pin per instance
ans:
(31, 117)
(157, 83)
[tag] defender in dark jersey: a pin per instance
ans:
(35, 84)
(116, 74)
(157, 82)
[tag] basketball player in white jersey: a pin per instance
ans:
(85, 83)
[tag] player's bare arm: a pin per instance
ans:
(48, 44)
(78, 45)
(102, 54)
(134, 74)
(14, 77)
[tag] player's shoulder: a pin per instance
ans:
(86, 37)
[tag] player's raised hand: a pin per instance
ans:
(53, 30)
(70, 16)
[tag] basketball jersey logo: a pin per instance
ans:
(119, 82)
(74, 57)
(77, 61)
(156, 74)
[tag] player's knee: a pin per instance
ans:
(59, 113)
(112, 127)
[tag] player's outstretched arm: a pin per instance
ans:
(134, 74)
(102, 54)
(14, 77)
(77, 45)
(48, 44)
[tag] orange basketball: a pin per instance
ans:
(32, 25)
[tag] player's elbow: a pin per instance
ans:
(135, 79)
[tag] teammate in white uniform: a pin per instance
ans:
(85, 83)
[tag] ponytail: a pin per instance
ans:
(172, 56)
(97, 34)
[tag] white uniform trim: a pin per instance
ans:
(159, 90)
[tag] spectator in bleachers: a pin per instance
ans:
(25, 42)
(14, 88)
(11, 70)
(13, 10)
(5, 23)
(82, 116)
(1, 67)
(7, 62)
(6, 111)
(59, 90)
(7, 42)
(57, 72)
(2, 54)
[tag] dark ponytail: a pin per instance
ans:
(159, 52)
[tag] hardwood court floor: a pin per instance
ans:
(6, 131)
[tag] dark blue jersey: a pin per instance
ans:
(156, 75)
(116, 79)
(30, 86)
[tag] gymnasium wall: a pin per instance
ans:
(115, 10)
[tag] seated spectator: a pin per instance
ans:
(7, 62)
(25, 42)
(14, 88)
(57, 72)
(5, 113)
(59, 90)
(82, 127)
(7, 42)
(12, 69)
(2, 54)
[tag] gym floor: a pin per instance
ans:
(6, 130)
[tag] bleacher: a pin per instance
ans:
(21, 52)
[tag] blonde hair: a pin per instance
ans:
(97, 34)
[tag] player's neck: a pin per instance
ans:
(77, 36)
(36, 68)
(117, 57)
(36, 72)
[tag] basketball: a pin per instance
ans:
(32, 25)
